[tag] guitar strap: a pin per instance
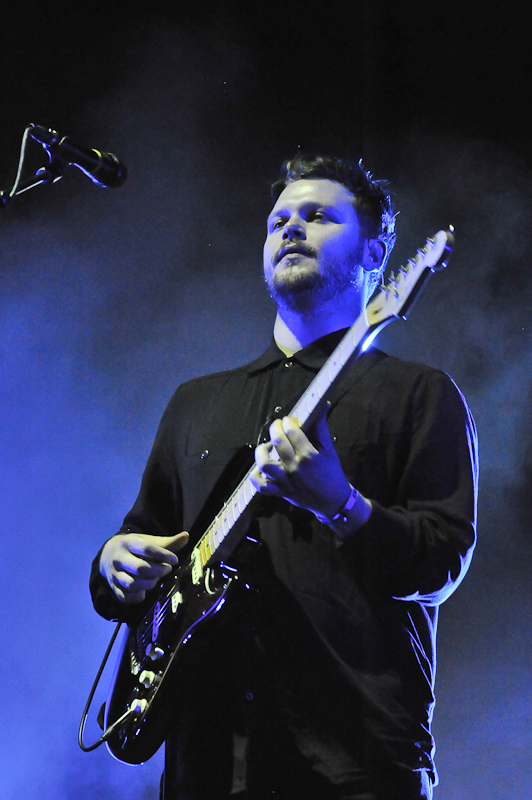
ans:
(355, 372)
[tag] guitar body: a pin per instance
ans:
(153, 656)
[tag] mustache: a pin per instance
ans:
(294, 247)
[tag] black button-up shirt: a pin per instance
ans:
(365, 611)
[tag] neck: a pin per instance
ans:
(293, 331)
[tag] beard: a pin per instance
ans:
(305, 290)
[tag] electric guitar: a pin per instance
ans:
(138, 711)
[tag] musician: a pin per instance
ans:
(318, 680)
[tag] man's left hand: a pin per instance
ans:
(307, 475)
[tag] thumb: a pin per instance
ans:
(173, 543)
(320, 430)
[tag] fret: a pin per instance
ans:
(217, 537)
(325, 381)
(225, 522)
(219, 524)
(206, 553)
(247, 488)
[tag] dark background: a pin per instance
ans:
(112, 297)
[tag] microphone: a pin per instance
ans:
(104, 169)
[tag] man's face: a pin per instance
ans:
(312, 248)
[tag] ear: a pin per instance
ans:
(373, 254)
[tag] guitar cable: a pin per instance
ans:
(106, 734)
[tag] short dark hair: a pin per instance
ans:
(372, 203)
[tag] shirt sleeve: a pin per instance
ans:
(157, 511)
(420, 547)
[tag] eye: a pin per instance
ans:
(278, 223)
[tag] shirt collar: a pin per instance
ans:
(314, 355)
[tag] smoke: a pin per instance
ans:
(474, 322)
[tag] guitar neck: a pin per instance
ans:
(392, 301)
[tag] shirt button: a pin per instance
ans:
(288, 363)
(205, 454)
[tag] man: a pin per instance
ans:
(319, 682)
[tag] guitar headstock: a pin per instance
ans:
(397, 297)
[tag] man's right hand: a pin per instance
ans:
(133, 563)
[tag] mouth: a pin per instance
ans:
(292, 249)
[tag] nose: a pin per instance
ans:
(294, 229)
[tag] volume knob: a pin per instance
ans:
(147, 678)
(138, 707)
